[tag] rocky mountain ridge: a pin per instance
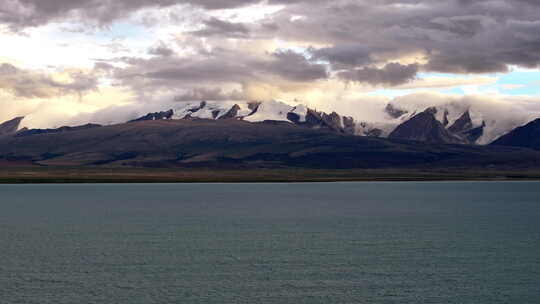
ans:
(432, 125)
(259, 112)
(237, 144)
(10, 127)
(527, 136)
(427, 128)
(443, 124)
(29, 132)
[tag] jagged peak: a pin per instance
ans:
(198, 108)
(445, 121)
(431, 110)
(232, 113)
(254, 106)
(14, 120)
(156, 116)
(425, 127)
(462, 124)
(11, 126)
(256, 111)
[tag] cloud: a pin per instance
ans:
(161, 50)
(345, 55)
(391, 74)
(454, 36)
(35, 84)
(29, 13)
(218, 68)
(63, 110)
(218, 27)
(350, 36)
(293, 66)
(436, 82)
(167, 72)
(209, 94)
(513, 86)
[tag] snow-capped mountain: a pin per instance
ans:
(10, 127)
(446, 123)
(259, 112)
(427, 128)
(420, 120)
(469, 122)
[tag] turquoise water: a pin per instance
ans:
(271, 243)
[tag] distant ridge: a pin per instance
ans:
(527, 136)
(53, 131)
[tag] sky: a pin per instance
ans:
(63, 61)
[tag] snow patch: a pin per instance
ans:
(500, 118)
(211, 110)
(301, 111)
(271, 110)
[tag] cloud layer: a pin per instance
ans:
(33, 84)
(379, 43)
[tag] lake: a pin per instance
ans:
(448, 242)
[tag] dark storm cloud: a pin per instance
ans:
(169, 71)
(451, 36)
(221, 67)
(217, 27)
(391, 74)
(161, 50)
(456, 36)
(26, 13)
(344, 55)
(294, 67)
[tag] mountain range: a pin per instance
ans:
(451, 123)
(273, 135)
(443, 124)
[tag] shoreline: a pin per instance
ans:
(114, 175)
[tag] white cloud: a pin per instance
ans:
(438, 82)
